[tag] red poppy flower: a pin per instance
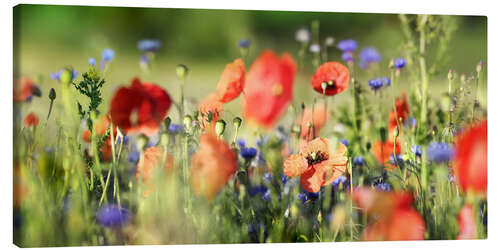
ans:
(232, 81)
(316, 165)
(268, 88)
(320, 118)
(31, 120)
(383, 152)
(334, 74)
(139, 108)
(211, 166)
(402, 111)
(210, 110)
(467, 224)
(471, 162)
(153, 157)
(24, 89)
(390, 215)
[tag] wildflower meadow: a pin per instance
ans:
(325, 137)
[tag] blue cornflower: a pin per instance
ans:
(345, 142)
(398, 157)
(383, 186)
(386, 80)
(439, 152)
(347, 56)
(113, 216)
(375, 83)
(126, 139)
(107, 56)
(413, 122)
(244, 43)
(370, 55)
(241, 143)
(174, 128)
(254, 190)
(399, 63)
(56, 76)
(417, 150)
(306, 196)
(359, 161)
(92, 62)
(134, 155)
(341, 180)
(348, 45)
(149, 45)
(248, 153)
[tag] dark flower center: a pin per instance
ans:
(316, 157)
(331, 84)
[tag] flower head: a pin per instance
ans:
(315, 48)
(210, 110)
(113, 216)
(376, 83)
(316, 165)
(439, 152)
(139, 108)
(248, 153)
(390, 215)
(417, 150)
(232, 81)
(471, 161)
(334, 74)
(370, 55)
(402, 111)
(268, 88)
(31, 120)
(154, 157)
(56, 76)
(149, 45)
(92, 62)
(211, 166)
(107, 56)
(302, 35)
(399, 63)
(25, 89)
(348, 45)
(347, 56)
(384, 150)
(244, 43)
(359, 161)
(306, 120)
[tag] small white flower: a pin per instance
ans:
(315, 48)
(329, 41)
(302, 35)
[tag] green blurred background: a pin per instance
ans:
(48, 37)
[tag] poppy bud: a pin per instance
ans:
(66, 76)
(164, 139)
(237, 122)
(220, 127)
(383, 133)
(182, 71)
(450, 74)
(479, 66)
(187, 121)
(395, 132)
(167, 122)
(52, 94)
(368, 146)
(142, 142)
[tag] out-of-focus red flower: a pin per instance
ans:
(268, 88)
(24, 88)
(139, 108)
(320, 118)
(211, 166)
(467, 224)
(334, 74)
(316, 165)
(210, 110)
(390, 215)
(31, 120)
(20, 190)
(383, 152)
(101, 127)
(153, 157)
(471, 162)
(232, 81)
(402, 111)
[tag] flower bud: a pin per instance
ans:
(220, 127)
(182, 71)
(52, 94)
(450, 74)
(296, 129)
(167, 122)
(237, 122)
(479, 66)
(391, 64)
(142, 142)
(187, 122)
(395, 132)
